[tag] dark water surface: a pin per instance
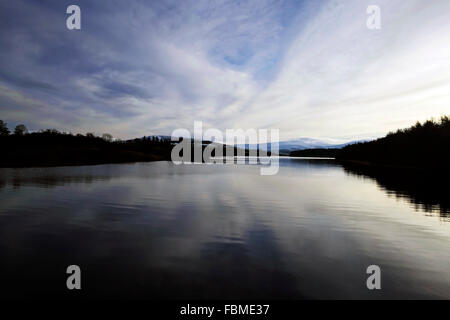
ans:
(156, 230)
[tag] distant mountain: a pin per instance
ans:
(309, 143)
(287, 146)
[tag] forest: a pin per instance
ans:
(424, 145)
(51, 147)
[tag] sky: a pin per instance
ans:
(308, 68)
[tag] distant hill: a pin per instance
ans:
(309, 143)
(287, 146)
(424, 145)
(53, 148)
(318, 152)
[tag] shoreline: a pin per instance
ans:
(52, 164)
(374, 165)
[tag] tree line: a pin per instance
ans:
(424, 145)
(20, 129)
(50, 147)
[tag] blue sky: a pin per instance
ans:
(307, 68)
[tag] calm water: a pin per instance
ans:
(156, 230)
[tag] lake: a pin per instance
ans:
(222, 231)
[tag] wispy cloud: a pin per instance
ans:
(307, 68)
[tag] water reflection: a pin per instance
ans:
(49, 177)
(156, 230)
(427, 191)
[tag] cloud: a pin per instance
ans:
(307, 68)
(341, 79)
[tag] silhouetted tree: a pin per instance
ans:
(107, 137)
(50, 147)
(50, 131)
(422, 145)
(20, 130)
(318, 152)
(4, 131)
